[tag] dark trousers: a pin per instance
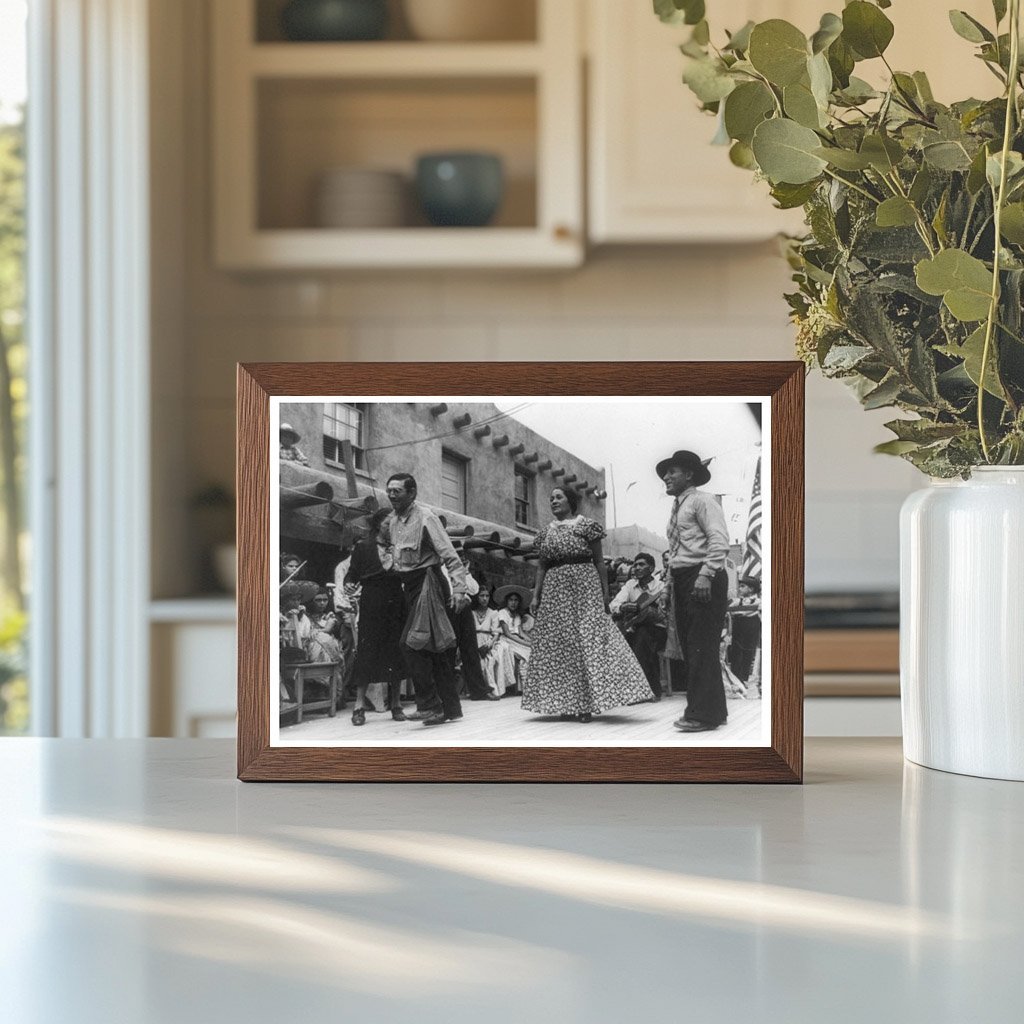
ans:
(464, 625)
(647, 641)
(746, 638)
(699, 629)
(432, 672)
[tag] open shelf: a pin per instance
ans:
(308, 127)
(393, 60)
(267, 23)
(287, 113)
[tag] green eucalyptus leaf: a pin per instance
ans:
(999, 7)
(976, 174)
(789, 197)
(924, 88)
(923, 431)
(866, 29)
(896, 212)
(969, 28)
(745, 108)
(1012, 223)
(883, 153)
(858, 91)
(701, 32)
(921, 185)
(830, 29)
(885, 394)
(785, 152)
(994, 168)
(820, 75)
(741, 155)
(800, 105)
(779, 51)
(971, 352)
(939, 220)
(679, 12)
(707, 80)
(841, 60)
(844, 159)
(895, 447)
(946, 156)
(963, 281)
(739, 41)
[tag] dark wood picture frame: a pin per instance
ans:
(782, 761)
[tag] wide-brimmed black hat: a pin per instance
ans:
(686, 460)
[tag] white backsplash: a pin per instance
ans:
(702, 303)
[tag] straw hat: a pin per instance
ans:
(502, 593)
(289, 434)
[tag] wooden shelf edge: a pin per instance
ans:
(392, 60)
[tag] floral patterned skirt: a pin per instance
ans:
(580, 662)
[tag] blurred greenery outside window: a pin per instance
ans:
(14, 704)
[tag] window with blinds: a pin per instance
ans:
(453, 482)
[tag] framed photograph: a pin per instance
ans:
(520, 572)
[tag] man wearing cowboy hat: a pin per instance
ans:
(290, 437)
(698, 543)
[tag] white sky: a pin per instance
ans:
(12, 55)
(630, 438)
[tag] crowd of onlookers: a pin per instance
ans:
(319, 623)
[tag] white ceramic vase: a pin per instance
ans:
(962, 624)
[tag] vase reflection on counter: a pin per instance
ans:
(460, 189)
(962, 624)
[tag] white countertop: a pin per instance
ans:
(142, 884)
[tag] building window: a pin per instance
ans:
(524, 497)
(343, 422)
(453, 482)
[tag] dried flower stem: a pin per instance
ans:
(993, 309)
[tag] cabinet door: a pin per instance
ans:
(654, 175)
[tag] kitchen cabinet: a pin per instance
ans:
(653, 175)
(287, 113)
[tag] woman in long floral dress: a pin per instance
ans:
(581, 663)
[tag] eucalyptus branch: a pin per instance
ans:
(1000, 198)
(854, 186)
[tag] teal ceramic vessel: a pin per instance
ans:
(461, 190)
(333, 21)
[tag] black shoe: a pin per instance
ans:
(359, 717)
(419, 716)
(686, 725)
(453, 718)
(437, 719)
(492, 696)
(368, 705)
(398, 715)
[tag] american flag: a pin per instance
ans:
(752, 554)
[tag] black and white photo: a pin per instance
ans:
(520, 571)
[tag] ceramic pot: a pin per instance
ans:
(962, 624)
(334, 20)
(460, 189)
(471, 20)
